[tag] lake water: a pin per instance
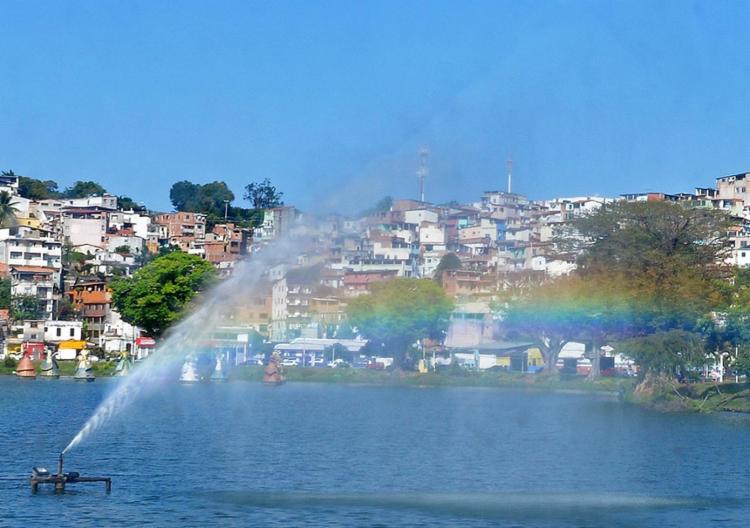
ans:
(242, 454)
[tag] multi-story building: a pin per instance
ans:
(36, 283)
(91, 299)
(84, 226)
(181, 229)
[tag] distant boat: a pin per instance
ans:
(189, 372)
(218, 373)
(49, 367)
(25, 368)
(84, 371)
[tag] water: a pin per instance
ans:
(243, 454)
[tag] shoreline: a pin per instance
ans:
(700, 397)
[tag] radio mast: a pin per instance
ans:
(423, 170)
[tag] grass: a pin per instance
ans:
(440, 379)
(67, 368)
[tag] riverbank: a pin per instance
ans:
(696, 397)
(67, 368)
(616, 386)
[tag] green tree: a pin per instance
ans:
(567, 309)
(384, 205)
(5, 285)
(449, 261)
(82, 189)
(664, 354)
(37, 189)
(7, 210)
(672, 256)
(263, 195)
(399, 312)
(25, 307)
(157, 295)
(669, 261)
(128, 204)
(209, 199)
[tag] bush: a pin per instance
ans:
(10, 362)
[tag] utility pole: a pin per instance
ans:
(423, 170)
(226, 209)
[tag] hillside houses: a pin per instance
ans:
(61, 255)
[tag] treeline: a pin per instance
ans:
(212, 199)
(653, 280)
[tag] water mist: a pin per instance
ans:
(188, 334)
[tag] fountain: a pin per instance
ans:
(25, 368)
(189, 373)
(40, 475)
(84, 371)
(150, 374)
(218, 374)
(49, 367)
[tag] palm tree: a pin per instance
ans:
(7, 210)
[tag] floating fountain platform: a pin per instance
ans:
(40, 475)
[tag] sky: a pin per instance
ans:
(332, 100)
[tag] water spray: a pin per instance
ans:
(182, 339)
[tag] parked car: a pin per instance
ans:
(289, 362)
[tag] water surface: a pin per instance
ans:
(240, 454)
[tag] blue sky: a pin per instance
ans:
(332, 100)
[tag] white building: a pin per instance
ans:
(57, 331)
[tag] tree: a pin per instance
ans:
(449, 261)
(181, 194)
(664, 354)
(24, 307)
(263, 195)
(672, 256)
(37, 189)
(82, 189)
(5, 298)
(157, 295)
(668, 261)
(128, 204)
(384, 205)
(7, 210)
(399, 312)
(209, 199)
(567, 309)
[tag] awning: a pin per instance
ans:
(145, 342)
(72, 343)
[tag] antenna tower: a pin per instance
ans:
(509, 165)
(423, 170)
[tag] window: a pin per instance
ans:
(72, 332)
(59, 331)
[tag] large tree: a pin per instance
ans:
(210, 198)
(37, 189)
(82, 189)
(556, 312)
(263, 195)
(157, 295)
(400, 312)
(670, 261)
